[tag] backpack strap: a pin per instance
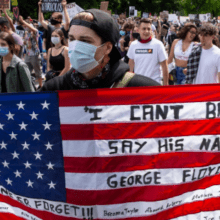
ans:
(125, 80)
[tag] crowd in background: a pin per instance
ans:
(34, 51)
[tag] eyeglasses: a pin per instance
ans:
(192, 32)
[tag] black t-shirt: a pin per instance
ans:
(47, 34)
(126, 44)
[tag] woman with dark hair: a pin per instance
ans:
(14, 73)
(58, 62)
(181, 49)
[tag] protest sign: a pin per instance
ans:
(131, 11)
(173, 18)
(145, 15)
(5, 4)
(203, 17)
(192, 16)
(135, 13)
(79, 154)
(184, 19)
(72, 10)
(139, 14)
(14, 2)
(16, 13)
(52, 6)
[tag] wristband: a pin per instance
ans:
(44, 51)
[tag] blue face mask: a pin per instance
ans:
(4, 51)
(82, 56)
(122, 33)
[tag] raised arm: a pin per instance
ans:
(9, 19)
(27, 25)
(41, 16)
(66, 15)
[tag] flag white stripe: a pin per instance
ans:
(104, 181)
(116, 211)
(142, 146)
(123, 113)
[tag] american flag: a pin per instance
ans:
(134, 153)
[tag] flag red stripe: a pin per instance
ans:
(9, 216)
(141, 95)
(38, 213)
(136, 194)
(140, 130)
(132, 163)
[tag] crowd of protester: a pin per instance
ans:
(38, 54)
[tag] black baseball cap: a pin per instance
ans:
(105, 26)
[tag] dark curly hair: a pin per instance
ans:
(185, 29)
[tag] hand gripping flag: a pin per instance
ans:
(131, 153)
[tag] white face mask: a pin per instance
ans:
(55, 40)
(82, 56)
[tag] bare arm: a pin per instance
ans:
(9, 19)
(218, 77)
(131, 65)
(164, 67)
(27, 25)
(67, 18)
(171, 56)
(41, 16)
(48, 62)
(67, 62)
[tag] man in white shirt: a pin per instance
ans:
(148, 54)
(209, 63)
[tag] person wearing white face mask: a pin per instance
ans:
(95, 60)
(58, 62)
(14, 73)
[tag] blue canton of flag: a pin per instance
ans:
(31, 157)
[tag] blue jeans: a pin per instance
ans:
(180, 76)
(43, 63)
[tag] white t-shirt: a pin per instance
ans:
(209, 66)
(147, 58)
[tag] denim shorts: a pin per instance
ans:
(180, 76)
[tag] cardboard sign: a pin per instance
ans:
(5, 4)
(145, 15)
(173, 17)
(14, 2)
(16, 13)
(104, 6)
(203, 17)
(131, 11)
(72, 10)
(52, 6)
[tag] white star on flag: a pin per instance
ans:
(23, 126)
(15, 155)
(9, 182)
(36, 136)
(17, 173)
(40, 175)
(25, 146)
(10, 116)
(30, 184)
(34, 116)
(27, 165)
(38, 156)
(45, 105)
(5, 164)
(49, 146)
(3, 145)
(1, 126)
(52, 185)
(13, 136)
(20, 105)
(50, 166)
(47, 126)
